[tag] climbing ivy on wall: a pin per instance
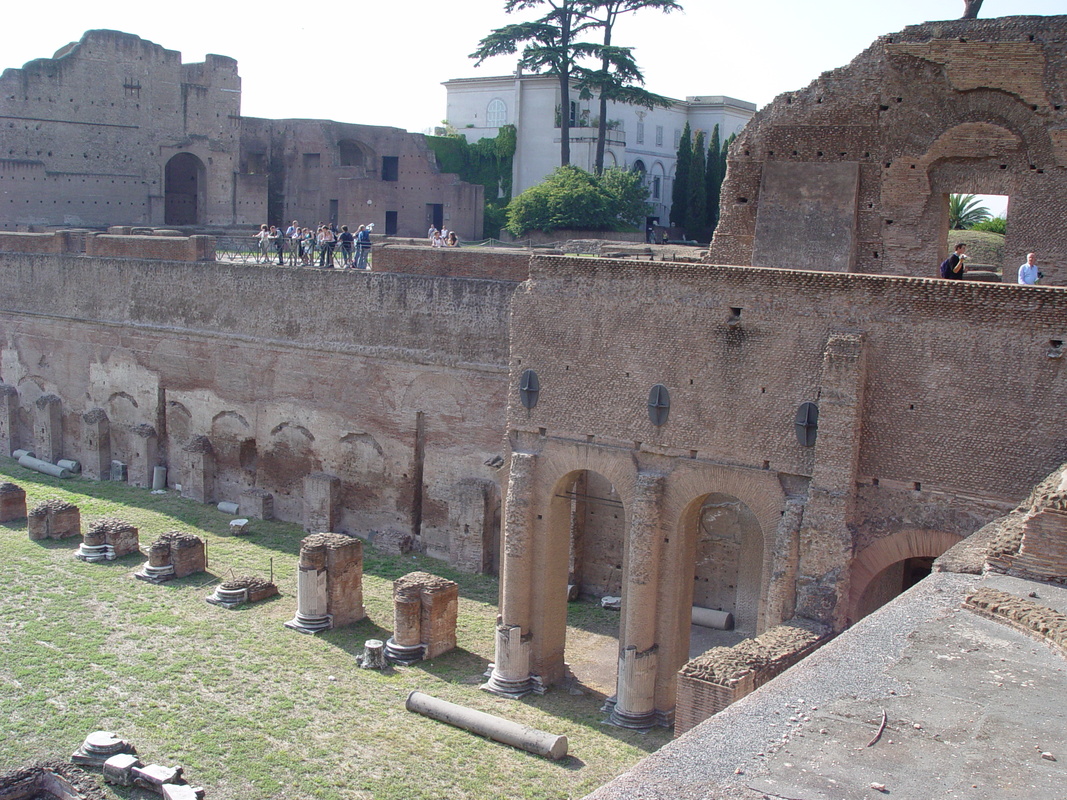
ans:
(487, 162)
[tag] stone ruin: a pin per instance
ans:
(425, 610)
(329, 588)
(120, 765)
(257, 503)
(242, 589)
(723, 675)
(175, 554)
(12, 502)
(49, 780)
(54, 519)
(108, 539)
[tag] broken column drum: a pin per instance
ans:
(108, 539)
(425, 611)
(175, 554)
(329, 586)
(54, 519)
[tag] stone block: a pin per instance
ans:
(178, 791)
(12, 502)
(9, 406)
(329, 582)
(119, 769)
(119, 471)
(257, 503)
(432, 622)
(145, 456)
(198, 480)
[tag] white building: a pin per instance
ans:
(638, 138)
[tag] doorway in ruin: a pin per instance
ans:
(891, 565)
(588, 509)
(183, 186)
(729, 559)
(981, 222)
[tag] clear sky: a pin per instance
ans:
(382, 63)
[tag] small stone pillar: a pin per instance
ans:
(12, 502)
(48, 428)
(373, 655)
(9, 407)
(54, 519)
(144, 458)
(256, 503)
(425, 611)
(198, 482)
(108, 539)
(96, 430)
(322, 496)
(329, 589)
(175, 554)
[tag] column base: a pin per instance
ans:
(404, 654)
(304, 624)
(511, 687)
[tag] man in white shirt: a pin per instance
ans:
(1028, 273)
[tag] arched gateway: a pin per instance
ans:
(184, 190)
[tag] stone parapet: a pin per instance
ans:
(710, 682)
(152, 248)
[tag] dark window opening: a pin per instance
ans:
(390, 169)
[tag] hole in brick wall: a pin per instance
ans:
(742, 200)
(763, 390)
(918, 486)
(542, 431)
(875, 254)
(627, 374)
(911, 406)
(818, 99)
(589, 437)
(913, 166)
(883, 108)
(770, 152)
(766, 464)
(1030, 37)
(789, 101)
(900, 99)
(889, 222)
(637, 445)
(962, 39)
(794, 152)
(692, 453)
(870, 205)
(874, 481)
(819, 154)
(1033, 108)
(746, 152)
(888, 164)
(690, 381)
(539, 516)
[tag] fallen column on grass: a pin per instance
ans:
(37, 464)
(496, 728)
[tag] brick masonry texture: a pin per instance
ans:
(964, 106)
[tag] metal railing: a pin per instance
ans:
(285, 252)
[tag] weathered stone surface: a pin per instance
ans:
(12, 502)
(54, 519)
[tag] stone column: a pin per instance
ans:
(145, 456)
(198, 482)
(329, 583)
(97, 457)
(322, 495)
(9, 409)
(48, 428)
(511, 672)
(638, 657)
(825, 539)
(781, 595)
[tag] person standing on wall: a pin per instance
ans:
(952, 267)
(1028, 273)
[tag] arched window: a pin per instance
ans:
(496, 114)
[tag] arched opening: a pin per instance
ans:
(587, 509)
(183, 190)
(729, 561)
(352, 154)
(891, 565)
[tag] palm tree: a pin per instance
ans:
(964, 211)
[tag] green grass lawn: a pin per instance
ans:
(251, 709)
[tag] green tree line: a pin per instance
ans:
(698, 177)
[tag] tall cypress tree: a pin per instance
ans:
(680, 190)
(696, 214)
(713, 180)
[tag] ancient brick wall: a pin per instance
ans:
(852, 173)
(286, 372)
(97, 123)
(452, 262)
(740, 349)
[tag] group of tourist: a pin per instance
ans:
(326, 241)
(442, 238)
(953, 267)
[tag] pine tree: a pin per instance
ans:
(696, 213)
(713, 180)
(680, 190)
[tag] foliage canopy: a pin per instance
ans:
(571, 198)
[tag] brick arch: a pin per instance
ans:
(900, 546)
(560, 463)
(759, 491)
